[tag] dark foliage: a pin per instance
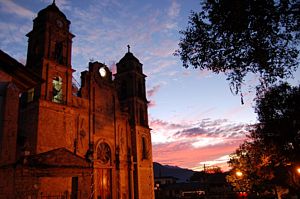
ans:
(279, 115)
(238, 37)
(271, 155)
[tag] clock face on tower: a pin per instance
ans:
(102, 72)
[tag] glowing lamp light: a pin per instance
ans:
(298, 170)
(243, 194)
(102, 72)
(239, 174)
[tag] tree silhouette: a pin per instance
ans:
(269, 157)
(279, 116)
(238, 37)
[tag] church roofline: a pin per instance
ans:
(52, 8)
(60, 157)
(141, 74)
(129, 57)
(23, 77)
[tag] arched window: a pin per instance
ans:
(57, 95)
(103, 153)
(104, 175)
(145, 152)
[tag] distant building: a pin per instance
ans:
(56, 143)
(165, 180)
(182, 190)
(202, 185)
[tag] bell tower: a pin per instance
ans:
(130, 83)
(49, 54)
(131, 89)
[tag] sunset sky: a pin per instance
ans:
(195, 118)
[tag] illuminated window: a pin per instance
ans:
(57, 90)
(30, 95)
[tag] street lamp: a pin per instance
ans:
(298, 170)
(156, 190)
(239, 174)
(242, 193)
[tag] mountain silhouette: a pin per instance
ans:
(183, 175)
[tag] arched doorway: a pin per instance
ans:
(104, 173)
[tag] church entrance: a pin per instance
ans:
(74, 190)
(104, 171)
(104, 183)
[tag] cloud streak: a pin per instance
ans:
(174, 10)
(15, 9)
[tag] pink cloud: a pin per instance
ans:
(113, 67)
(183, 154)
(151, 104)
(188, 144)
(219, 162)
(152, 91)
(160, 124)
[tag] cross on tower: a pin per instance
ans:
(128, 48)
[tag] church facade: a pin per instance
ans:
(59, 142)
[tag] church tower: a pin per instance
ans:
(95, 144)
(131, 88)
(49, 54)
(45, 117)
(130, 83)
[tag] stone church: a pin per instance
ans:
(59, 142)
